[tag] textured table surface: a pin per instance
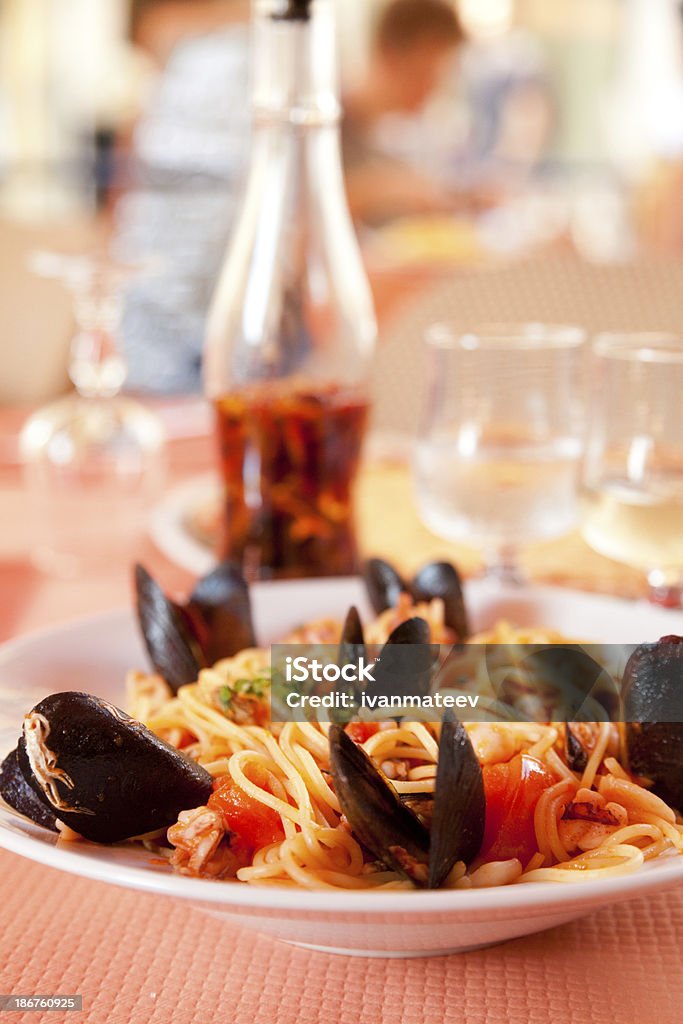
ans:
(137, 958)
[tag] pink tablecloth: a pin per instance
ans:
(138, 958)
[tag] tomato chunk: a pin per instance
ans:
(361, 731)
(512, 792)
(255, 824)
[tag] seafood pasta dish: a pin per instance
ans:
(196, 769)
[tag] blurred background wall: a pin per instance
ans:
(70, 75)
(556, 124)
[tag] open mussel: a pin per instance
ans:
(437, 579)
(390, 830)
(102, 773)
(384, 826)
(652, 695)
(214, 623)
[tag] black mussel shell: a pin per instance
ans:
(441, 579)
(171, 641)
(16, 792)
(652, 685)
(352, 644)
(577, 758)
(459, 812)
(411, 631)
(384, 584)
(104, 774)
(406, 663)
(652, 694)
(352, 647)
(385, 827)
(221, 603)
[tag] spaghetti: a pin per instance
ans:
(274, 817)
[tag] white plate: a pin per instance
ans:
(94, 654)
(168, 523)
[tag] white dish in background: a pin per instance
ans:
(94, 654)
(168, 526)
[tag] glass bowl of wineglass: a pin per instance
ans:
(94, 459)
(632, 481)
(500, 442)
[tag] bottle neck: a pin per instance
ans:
(294, 65)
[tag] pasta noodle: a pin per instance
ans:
(283, 770)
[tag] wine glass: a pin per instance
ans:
(93, 459)
(632, 481)
(499, 446)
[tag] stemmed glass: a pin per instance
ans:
(94, 459)
(632, 483)
(499, 446)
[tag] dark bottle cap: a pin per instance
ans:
(296, 10)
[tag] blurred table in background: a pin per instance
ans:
(557, 288)
(389, 527)
(554, 288)
(387, 521)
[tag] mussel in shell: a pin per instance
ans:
(652, 695)
(380, 821)
(214, 623)
(388, 827)
(385, 584)
(102, 773)
(16, 792)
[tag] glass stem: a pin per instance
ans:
(502, 564)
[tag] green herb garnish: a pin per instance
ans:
(256, 687)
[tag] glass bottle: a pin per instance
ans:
(291, 331)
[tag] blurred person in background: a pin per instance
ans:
(158, 26)
(413, 47)
(189, 155)
(511, 108)
(191, 150)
